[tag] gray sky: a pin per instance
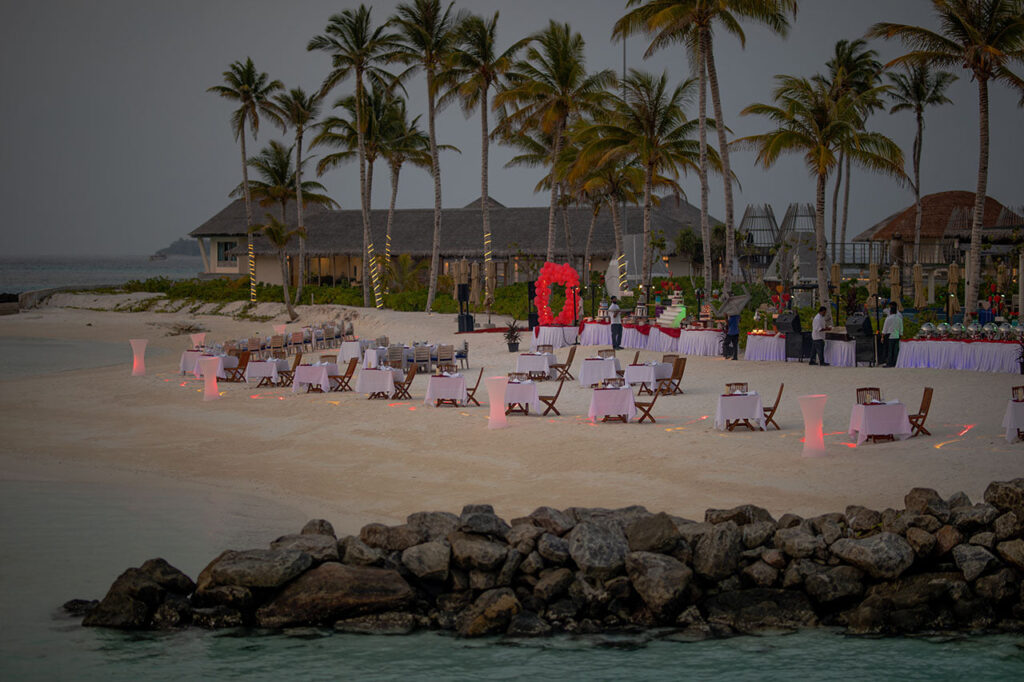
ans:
(112, 146)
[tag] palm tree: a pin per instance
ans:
(299, 110)
(546, 90)
(402, 141)
(403, 273)
(914, 90)
(813, 120)
(252, 90)
(357, 49)
(690, 22)
(474, 68)
(278, 234)
(853, 68)
(647, 123)
(985, 37)
(278, 180)
(427, 31)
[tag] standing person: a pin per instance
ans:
(615, 316)
(892, 330)
(732, 338)
(818, 328)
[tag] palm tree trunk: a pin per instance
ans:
(971, 294)
(846, 205)
(563, 208)
(918, 140)
(396, 168)
(556, 148)
(590, 238)
(435, 171)
(835, 201)
(723, 145)
(248, 218)
(702, 124)
(284, 282)
(645, 273)
(819, 239)
(302, 229)
(485, 208)
(363, 198)
(613, 204)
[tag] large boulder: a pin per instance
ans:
(528, 624)
(389, 623)
(552, 583)
(927, 501)
(1007, 496)
(523, 537)
(392, 538)
(798, 542)
(1012, 552)
(168, 577)
(599, 549)
(128, 604)
(357, 553)
(433, 526)
(862, 521)
(973, 519)
(660, 580)
(717, 553)
(840, 582)
(973, 560)
(946, 538)
(319, 547)
(1008, 526)
(552, 520)
(884, 556)
(428, 561)
(909, 604)
(553, 548)
(758, 533)
(741, 515)
(761, 574)
(332, 591)
(921, 541)
(754, 610)
(656, 533)
(490, 613)
(255, 568)
(318, 527)
(483, 523)
(477, 551)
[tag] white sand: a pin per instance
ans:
(353, 461)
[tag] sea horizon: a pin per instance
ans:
(19, 274)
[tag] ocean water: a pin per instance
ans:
(18, 274)
(68, 540)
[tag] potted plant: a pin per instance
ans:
(512, 333)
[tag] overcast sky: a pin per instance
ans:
(111, 144)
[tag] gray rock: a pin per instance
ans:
(619, 517)
(761, 574)
(599, 550)
(999, 587)
(741, 515)
(660, 580)
(318, 527)
(789, 520)
(1008, 526)
(392, 538)
(958, 499)
(827, 527)
(552, 520)
(692, 531)
(563, 610)
(976, 518)
(921, 541)
(553, 548)
(884, 556)
(355, 552)
(482, 580)
(797, 542)
(513, 559)
(428, 561)
(319, 547)
(233, 596)
(528, 624)
(331, 592)
(840, 582)
(862, 521)
(175, 612)
(477, 509)
(758, 609)
(986, 540)
(217, 617)
(973, 560)
(434, 526)
(773, 558)
(476, 551)
(552, 583)
(657, 533)
(389, 623)
(484, 523)
(168, 577)
(533, 563)
(79, 607)
(524, 536)
(946, 538)
(1012, 552)
(1006, 496)
(492, 612)
(258, 567)
(593, 594)
(757, 533)
(128, 604)
(717, 553)
(927, 501)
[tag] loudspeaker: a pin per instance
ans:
(531, 290)
(532, 320)
(465, 322)
(463, 293)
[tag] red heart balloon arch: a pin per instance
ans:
(553, 273)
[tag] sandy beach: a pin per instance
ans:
(353, 461)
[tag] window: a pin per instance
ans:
(222, 253)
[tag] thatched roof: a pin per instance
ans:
(230, 221)
(943, 215)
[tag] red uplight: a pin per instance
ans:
(967, 427)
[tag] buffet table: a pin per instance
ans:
(976, 355)
(765, 347)
(701, 342)
(556, 337)
(841, 353)
(599, 333)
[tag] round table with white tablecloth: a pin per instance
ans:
(535, 362)
(881, 419)
(595, 370)
(524, 394)
(1013, 420)
(223, 362)
(648, 374)
(736, 408)
(188, 360)
(314, 375)
(349, 350)
(446, 387)
(265, 369)
(376, 381)
(612, 402)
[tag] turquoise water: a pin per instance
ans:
(26, 356)
(66, 539)
(18, 274)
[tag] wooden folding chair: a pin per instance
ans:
(237, 374)
(330, 357)
(341, 382)
(471, 392)
(421, 356)
(255, 346)
(446, 358)
(645, 408)
(769, 412)
(287, 376)
(277, 346)
(396, 356)
(866, 395)
(736, 386)
(402, 387)
(564, 367)
(917, 420)
(298, 341)
(673, 385)
(462, 355)
(669, 358)
(550, 400)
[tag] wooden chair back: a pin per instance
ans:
(445, 353)
(276, 343)
(255, 345)
(545, 348)
(769, 412)
(636, 358)
(396, 356)
(382, 341)
(736, 386)
(917, 420)
(296, 361)
(673, 385)
(645, 408)
(421, 356)
(867, 394)
(351, 369)
(243, 360)
(669, 358)
(471, 392)
(550, 400)
(329, 357)
(606, 353)
(1018, 392)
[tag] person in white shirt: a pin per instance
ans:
(818, 328)
(616, 319)
(892, 330)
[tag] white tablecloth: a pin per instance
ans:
(525, 393)
(980, 356)
(257, 370)
(841, 353)
(648, 374)
(740, 406)
(556, 336)
(612, 401)
(701, 342)
(597, 334)
(223, 362)
(1013, 420)
(632, 338)
(879, 420)
(349, 350)
(761, 347)
(374, 357)
(313, 374)
(376, 381)
(594, 371)
(661, 342)
(528, 362)
(446, 388)
(188, 360)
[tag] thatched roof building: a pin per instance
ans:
(944, 215)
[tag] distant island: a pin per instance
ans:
(181, 247)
